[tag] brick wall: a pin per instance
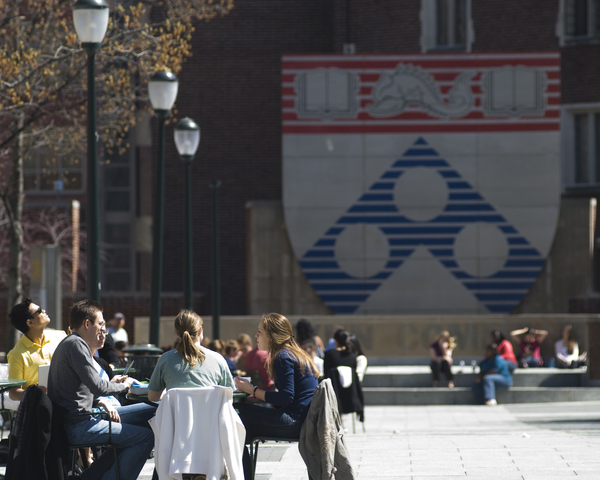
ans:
(232, 88)
(515, 25)
(580, 73)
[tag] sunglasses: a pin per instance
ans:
(37, 312)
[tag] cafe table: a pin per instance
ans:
(5, 386)
(238, 397)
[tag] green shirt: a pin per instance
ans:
(174, 372)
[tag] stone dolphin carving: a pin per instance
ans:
(408, 85)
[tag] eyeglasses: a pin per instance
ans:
(37, 312)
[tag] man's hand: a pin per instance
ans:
(112, 411)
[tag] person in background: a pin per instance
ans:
(190, 364)
(331, 343)
(494, 374)
(216, 345)
(339, 365)
(230, 354)
(530, 340)
(567, 349)
(504, 349)
(308, 345)
(108, 352)
(35, 348)
(256, 361)
(304, 331)
(245, 345)
(295, 377)
(116, 328)
(441, 358)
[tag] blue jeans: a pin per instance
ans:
(486, 389)
(265, 421)
(134, 443)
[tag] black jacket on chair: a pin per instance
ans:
(38, 442)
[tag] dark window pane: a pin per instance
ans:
(117, 201)
(582, 154)
(73, 180)
(30, 160)
(117, 177)
(460, 22)
(30, 180)
(119, 258)
(48, 177)
(72, 161)
(117, 233)
(117, 281)
(116, 156)
(442, 22)
(597, 145)
(48, 160)
(576, 21)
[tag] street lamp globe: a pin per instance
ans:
(187, 138)
(162, 90)
(91, 20)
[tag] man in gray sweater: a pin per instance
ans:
(73, 382)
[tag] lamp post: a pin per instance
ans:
(162, 90)
(91, 21)
(216, 265)
(187, 139)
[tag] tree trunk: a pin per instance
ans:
(14, 208)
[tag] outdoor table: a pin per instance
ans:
(238, 397)
(5, 386)
(147, 349)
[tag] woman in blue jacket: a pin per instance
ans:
(494, 374)
(295, 376)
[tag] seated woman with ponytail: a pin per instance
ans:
(190, 364)
(295, 377)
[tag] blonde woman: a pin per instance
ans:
(567, 349)
(295, 377)
(190, 364)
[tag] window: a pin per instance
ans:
(580, 20)
(451, 24)
(118, 220)
(43, 167)
(587, 148)
(446, 25)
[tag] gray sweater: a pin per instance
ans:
(73, 381)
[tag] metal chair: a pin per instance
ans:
(254, 450)
(75, 447)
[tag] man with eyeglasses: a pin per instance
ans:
(35, 347)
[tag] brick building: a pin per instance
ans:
(232, 88)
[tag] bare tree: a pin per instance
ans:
(43, 85)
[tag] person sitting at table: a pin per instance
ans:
(295, 377)
(190, 364)
(73, 383)
(35, 348)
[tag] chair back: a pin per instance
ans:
(197, 431)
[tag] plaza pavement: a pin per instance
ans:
(510, 442)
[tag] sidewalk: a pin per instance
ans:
(520, 441)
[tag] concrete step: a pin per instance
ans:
(419, 376)
(464, 395)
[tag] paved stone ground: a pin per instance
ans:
(545, 441)
(521, 442)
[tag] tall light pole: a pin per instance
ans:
(187, 139)
(91, 21)
(162, 90)
(216, 264)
